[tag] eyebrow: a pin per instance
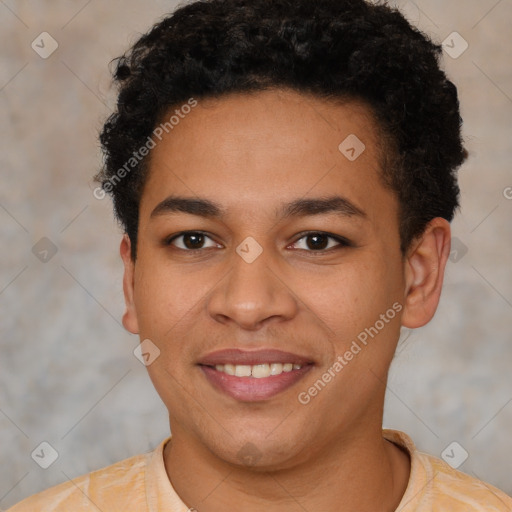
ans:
(297, 208)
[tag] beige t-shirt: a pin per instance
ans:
(140, 484)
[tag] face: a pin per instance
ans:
(262, 244)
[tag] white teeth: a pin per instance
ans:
(258, 371)
(228, 368)
(276, 368)
(242, 370)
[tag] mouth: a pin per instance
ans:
(257, 371)
(251, 376)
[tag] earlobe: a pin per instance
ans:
(130, 322)
(424, 272)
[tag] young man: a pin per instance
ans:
(284, 172)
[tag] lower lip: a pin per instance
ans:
(250, 389)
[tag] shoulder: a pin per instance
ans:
(117, 487)
(457, 489)
(435, 486)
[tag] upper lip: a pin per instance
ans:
(243, 357)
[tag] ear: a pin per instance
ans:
(130, 322)
(424, 272)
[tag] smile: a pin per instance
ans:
(257, 371)
(252, 376)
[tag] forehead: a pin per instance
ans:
(258, 149)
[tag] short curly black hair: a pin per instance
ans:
(333, 49)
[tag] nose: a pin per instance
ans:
(253, 293)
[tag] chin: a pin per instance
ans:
(259, 453)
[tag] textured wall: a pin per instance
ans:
(67, 372)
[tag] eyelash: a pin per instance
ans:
(343, 242)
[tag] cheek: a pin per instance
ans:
(162, 296)
(352, 296)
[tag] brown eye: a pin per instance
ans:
(319, 242)
(191, 241)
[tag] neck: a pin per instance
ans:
(361, 472)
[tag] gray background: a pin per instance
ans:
(67, 372)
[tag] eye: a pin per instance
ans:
(195, 240)
(320, 241)
(192, 240)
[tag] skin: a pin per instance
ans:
(250, 154)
